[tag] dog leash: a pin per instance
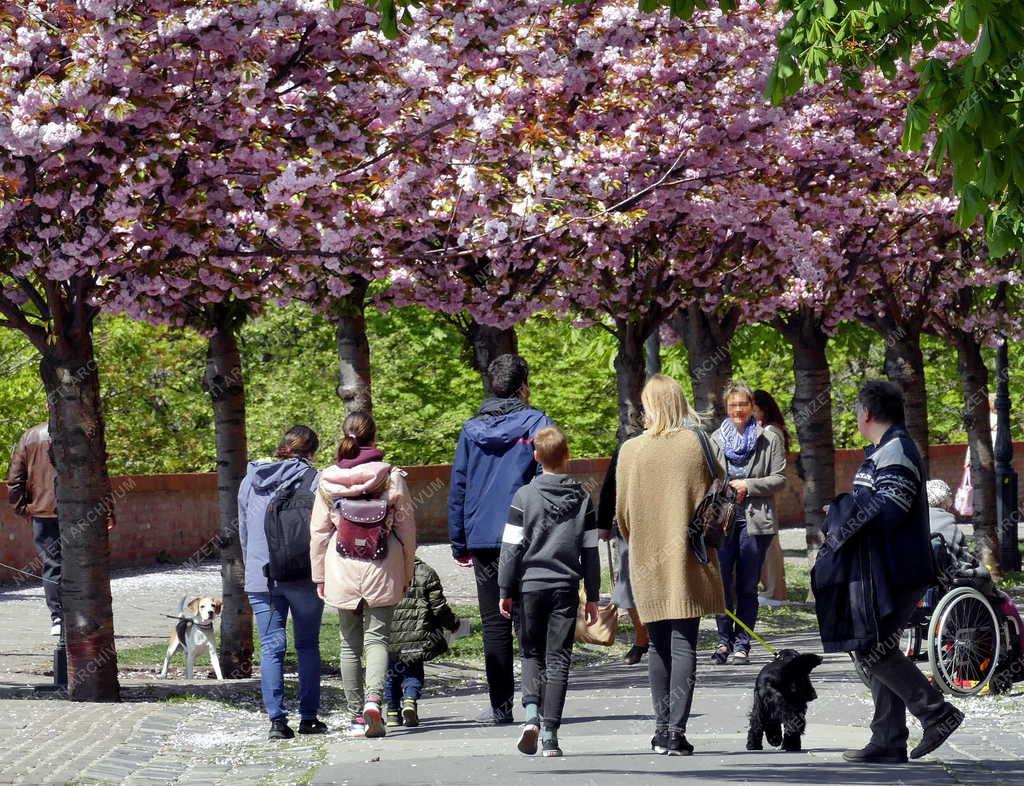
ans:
(129, 605)
(740, 622)
(25, 572)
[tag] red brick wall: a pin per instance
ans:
(172, 517)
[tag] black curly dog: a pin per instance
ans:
(781, 694)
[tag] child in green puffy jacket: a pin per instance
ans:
(417, 635)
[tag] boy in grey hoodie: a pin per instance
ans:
(549, 544)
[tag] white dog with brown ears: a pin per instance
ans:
(194, 633)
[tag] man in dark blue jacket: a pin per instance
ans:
(493, 459)
(890, 493)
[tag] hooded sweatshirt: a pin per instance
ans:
(550, 539)
(348, 582)
(494, 457)
(262, 480)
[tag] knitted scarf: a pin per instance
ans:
(738, 448)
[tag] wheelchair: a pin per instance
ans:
(970, 631)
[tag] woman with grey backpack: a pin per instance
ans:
(275, 502)
(756, 467)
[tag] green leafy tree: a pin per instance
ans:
(969, 62)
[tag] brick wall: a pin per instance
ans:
(172, 517)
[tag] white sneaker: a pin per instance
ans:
(55, 628)
(769, 602)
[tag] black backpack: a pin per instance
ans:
(287, 528)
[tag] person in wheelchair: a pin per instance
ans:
(954, 563)
(972, 630)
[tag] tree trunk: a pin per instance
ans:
(707, 338)
(630, 375)
(353, 350)
(974, 381)
(652, 354)
(84, 505)
(223, 381)
(486, 343)
(904, 365)
(812, 414)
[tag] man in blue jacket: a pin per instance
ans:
(889, 489)
(493, 459)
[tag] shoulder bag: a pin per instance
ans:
(713, 519)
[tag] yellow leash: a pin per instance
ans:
(739, 622)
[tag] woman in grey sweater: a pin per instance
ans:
(756, 463)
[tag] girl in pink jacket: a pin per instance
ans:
(364, 590)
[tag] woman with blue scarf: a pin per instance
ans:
(756, 462)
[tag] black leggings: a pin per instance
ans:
(498, 657)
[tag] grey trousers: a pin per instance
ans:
(897, 685)
(672, 669)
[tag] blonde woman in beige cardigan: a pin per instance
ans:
(660, 480)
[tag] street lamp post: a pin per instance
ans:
(1007, 512)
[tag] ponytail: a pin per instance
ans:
(298, 442)
(358, 431)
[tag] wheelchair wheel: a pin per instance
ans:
(963, 642)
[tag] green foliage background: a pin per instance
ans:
(159, 418)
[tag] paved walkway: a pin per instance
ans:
(206, 732)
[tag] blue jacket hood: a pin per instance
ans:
(501, 423)
(493, 459)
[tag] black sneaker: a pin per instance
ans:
(280, 730)
(549, 747)
(528, 735)
(659, 742)
(938, 732)
(393, 719)
(720, 656)
(678, 745)
(312, 727)
(634, 655)
(876, 754)
(410, 716)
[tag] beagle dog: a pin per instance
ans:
(194, 633)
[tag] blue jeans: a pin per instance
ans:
(404, 680)
(740, 559)
(271, 612)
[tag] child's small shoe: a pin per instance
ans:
(374, 720)
(393, 719)
(410, 715)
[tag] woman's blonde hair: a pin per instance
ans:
(665, 407)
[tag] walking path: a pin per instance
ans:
(205, 732)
